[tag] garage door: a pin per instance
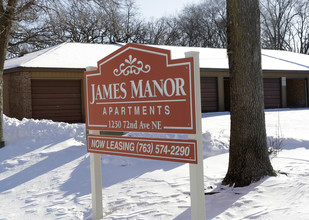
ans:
(209, 94)
(58, 100)
(272, 92)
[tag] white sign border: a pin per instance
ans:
(90, 124)
(176, 141)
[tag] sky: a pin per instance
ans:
(159, 8)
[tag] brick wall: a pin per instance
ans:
(6, 104)
(296, 93)
(19, 88)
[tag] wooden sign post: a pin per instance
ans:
(198, 210)
(139, 88)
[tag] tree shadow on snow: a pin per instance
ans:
(53, 160)
(286, 109)
(291, 143)
(115, 169)
(221, 199)
(214, 114)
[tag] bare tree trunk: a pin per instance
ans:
(248, 160)
(6, 19)
(3, 47)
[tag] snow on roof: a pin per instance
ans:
(66, 55)
(81, 55)
(211, 58)
(284, 60)
(214, 58)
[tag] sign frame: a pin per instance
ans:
(198, 210)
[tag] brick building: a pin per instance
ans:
(48, 84)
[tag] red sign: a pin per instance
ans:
(139, 88)
(159, 149)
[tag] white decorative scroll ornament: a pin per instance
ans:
(128, 67)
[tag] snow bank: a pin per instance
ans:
(39, 130)
(15, 130)
(215, 132)
(45, 173)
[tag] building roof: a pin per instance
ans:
(65, 55)
(81, 55)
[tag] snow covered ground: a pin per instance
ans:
(44, 174)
